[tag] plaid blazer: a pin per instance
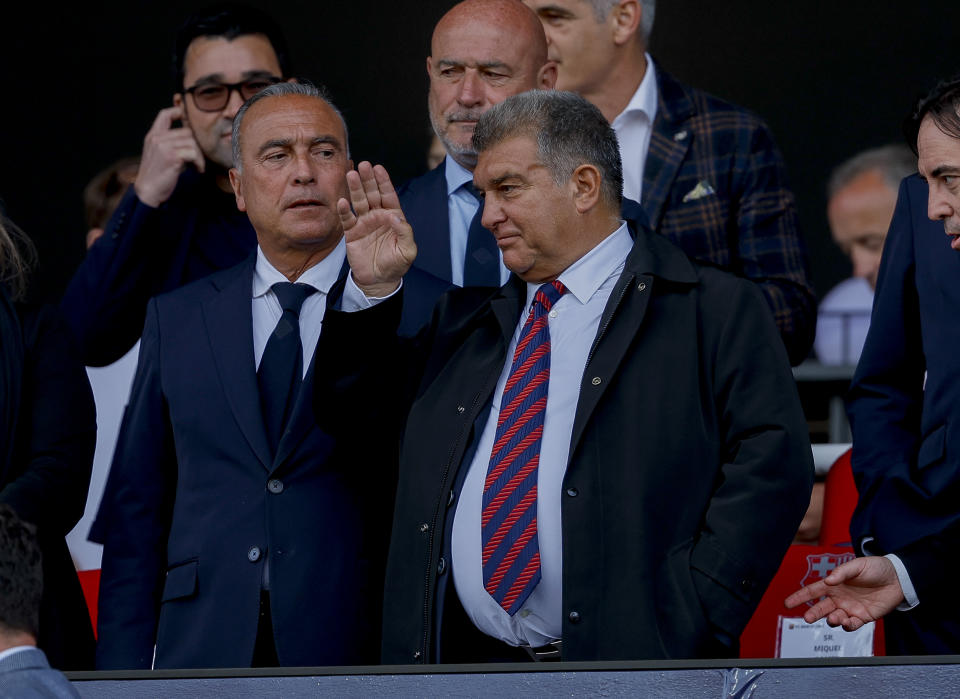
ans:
(714, 183)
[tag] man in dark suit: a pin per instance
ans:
(178, 222)
(614, 474)
(903, 404)
(242, 531)
(482, 52)
(707, 172)
(24, 670)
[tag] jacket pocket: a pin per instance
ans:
(181, 581)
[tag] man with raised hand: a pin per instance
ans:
(603, 459)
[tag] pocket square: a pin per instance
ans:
(703, 189)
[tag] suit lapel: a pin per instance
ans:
(669, 143)
(228, 317)
(427, 209)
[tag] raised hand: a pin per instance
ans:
(380, 245)
(857, 592)
(166, 152)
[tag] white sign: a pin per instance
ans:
(798, 639)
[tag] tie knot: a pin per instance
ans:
(549, 294)
(292, 296)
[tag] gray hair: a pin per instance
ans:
(893, 162)
(569, 131)
(601, 10)
(284, 89)
(17, 257)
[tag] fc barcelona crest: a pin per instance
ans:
(819, 566)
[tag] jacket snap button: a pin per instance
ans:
(275, 486)
(424, 527)
(574, 617)
(641, 286)
(416, 655)
(573, 492)
(596, 380)
(460, 409)
(253, 554)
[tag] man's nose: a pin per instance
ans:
(234, 102)
(304, 170)
(492, 213)
(471, 89)
(938, 208)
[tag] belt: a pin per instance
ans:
(547, 653)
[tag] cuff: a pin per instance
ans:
(355, 300)
(903, 577)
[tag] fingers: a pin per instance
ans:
(845, 572)
(819, 610)
(347, 219)
(369, 182)
(810, 592)
(388, 195)
(165, 119)
(358, 195)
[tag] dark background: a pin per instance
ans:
(83, 87)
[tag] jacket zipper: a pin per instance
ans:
(606, 323)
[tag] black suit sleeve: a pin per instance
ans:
(106, 300)
(56, 428)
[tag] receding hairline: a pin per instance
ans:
(505, 15)
(341, 138)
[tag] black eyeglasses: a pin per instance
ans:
(213, 97)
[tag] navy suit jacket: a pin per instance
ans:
(904, 404)
(197, 503)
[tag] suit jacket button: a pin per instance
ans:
(253, 555)
(574, 617)
(275, 486)
(596, 380)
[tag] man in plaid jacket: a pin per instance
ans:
(707, 172)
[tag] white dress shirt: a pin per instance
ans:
(267, 311)
(462, 206)
(573, 322)
(634, 126)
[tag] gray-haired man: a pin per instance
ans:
(606, 457)
(241, 532)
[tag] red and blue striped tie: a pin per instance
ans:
(508, 523)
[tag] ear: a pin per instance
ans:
(586, 181)
(178, 101)
(547, 77)
(625, 21)
(236, 182)
(429, 65)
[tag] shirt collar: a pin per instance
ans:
(588, 274)
(457, 175)
(321, 276)
(14, 650)
(644, 100)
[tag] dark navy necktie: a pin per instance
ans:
(281, 367)
(481, 266)
(508, 522)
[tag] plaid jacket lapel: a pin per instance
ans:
(669, 144)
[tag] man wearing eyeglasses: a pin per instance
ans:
(178, 222)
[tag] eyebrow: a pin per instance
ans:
(246, 75)
(503, 178)
(286, 142)
(453, 62)
(554, 10)
(945, 170)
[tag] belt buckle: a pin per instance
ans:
(547, 653)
